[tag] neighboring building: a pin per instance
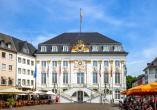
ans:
(25, 64)
(7, 61)
(140, 80)
(151, 72)
(82, 67)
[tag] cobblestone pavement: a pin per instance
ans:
(68, 107)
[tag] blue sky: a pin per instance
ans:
(131, 22)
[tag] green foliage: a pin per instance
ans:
(130, 79)
(11, 101)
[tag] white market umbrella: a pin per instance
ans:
(38, 92)
(10, 91)
(50, 93)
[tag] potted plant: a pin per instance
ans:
(11, 102)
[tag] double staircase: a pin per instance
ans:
(67, 94)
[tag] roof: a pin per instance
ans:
(20, 45)
(152, 64)
(87, 37)
(7, 40)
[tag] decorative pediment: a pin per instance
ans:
(80, 47)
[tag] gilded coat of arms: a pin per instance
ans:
(80, 47)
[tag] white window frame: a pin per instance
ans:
(54, 49)
(95, 48)
(65, 48)
(43, 49)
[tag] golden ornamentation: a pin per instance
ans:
(80, 47)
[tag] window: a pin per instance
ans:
(19, 70)
(19, 82)
(95, 78)
(28, 62)
(28, 72)
(26, 50)
(23, 82)
(43, 49)
(80, 78)
(10, 56)
(54, 77)
(94, 48)
(54, 63)
(117, 63)
(65, 78)
(54, 49)
(19, 60)
(106, 77)
(24, 61)
(9, 46)
(32, 73)
(43, 64)
(117, 77)
(105, 63)
(32, 82)
(32, 63)
(65, 63)
(43, 78)
(3, 55)
(10, 82)
(24, 71)
(95, 63)
(117, 48)
(28, 83)
(105, 48)
(65, 48)
(3, 81)
(10, 67)
(3, 66)
(117, 94)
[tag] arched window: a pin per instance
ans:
(106, 77)
(117, 94)
(117, 77)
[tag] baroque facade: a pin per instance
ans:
(82, 67)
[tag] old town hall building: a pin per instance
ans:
(82, 67)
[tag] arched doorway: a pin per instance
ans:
(80, 96)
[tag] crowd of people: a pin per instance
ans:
(138, 103)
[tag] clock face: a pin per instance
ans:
(80, 63)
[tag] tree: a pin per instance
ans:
(129, 80)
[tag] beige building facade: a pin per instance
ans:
(7, 61)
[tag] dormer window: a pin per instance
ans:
(106, 48)
(54, 49)
(43, 49)
(26, 50)
(9, 46)
(117, 48)
(65, 48)
(2, 44)
(95, 48)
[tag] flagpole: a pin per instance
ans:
(80, 20)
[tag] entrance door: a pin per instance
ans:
(80, 96)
